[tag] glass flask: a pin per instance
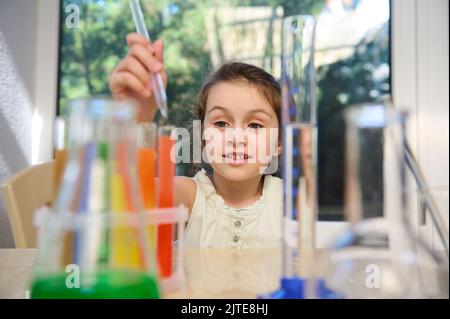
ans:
(379, 255)
(95, 244)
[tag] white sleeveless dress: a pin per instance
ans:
(212, 223)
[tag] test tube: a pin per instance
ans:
(166, 173)
(146, 170)
(128, 244)
(61, 151)
(157, 83)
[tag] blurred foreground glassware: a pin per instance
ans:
(95, 244)
(61, 150)
(380, 256)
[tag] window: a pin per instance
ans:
(352, 58)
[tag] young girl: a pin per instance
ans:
(238, 205)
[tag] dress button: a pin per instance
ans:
(238, 223)
(235, 238)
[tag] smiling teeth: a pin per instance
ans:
(236, 157)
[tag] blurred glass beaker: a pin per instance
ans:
(96, 243)
(377, 257)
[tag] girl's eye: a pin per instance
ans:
(255, 125)
(221, 124)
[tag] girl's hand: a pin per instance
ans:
(130, 79)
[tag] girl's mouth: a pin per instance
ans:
(235, 158)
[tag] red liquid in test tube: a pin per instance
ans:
(166, 173)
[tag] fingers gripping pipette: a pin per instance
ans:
(157, 84)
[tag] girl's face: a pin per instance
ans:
(240, 131)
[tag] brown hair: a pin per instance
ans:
(265, 83)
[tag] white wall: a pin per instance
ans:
(420, 64)
(28, 73)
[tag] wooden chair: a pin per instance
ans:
(26, 191)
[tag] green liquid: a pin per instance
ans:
(102, 285)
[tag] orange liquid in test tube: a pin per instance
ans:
(146, 169)
(147, 164)
(166, 173)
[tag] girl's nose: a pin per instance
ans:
(236, 136)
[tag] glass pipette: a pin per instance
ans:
(157, 83)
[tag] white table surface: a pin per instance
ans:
(208, 273)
